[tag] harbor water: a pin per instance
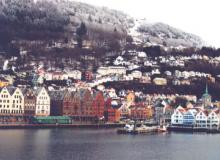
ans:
(105, 144)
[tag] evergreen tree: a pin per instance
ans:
(81, 32)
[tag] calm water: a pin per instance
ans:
(67, 144)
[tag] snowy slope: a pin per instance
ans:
(163, 34)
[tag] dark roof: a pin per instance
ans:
(57, 95)
(11, 90)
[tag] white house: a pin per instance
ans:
(213, 120)
(42, 102)
(5, 101)
(17, 99)
(136, 74)
(177, 116)
(201, 119)
(76, 74)
(11, 101)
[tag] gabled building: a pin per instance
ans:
(87, 103)
(11, 101)
(71, 104)
(17, 98)
(112, 112)
(5, 102)
(177, 116)
(201, 119)
(56, 102)
(42, 102)
(98, 104)
(29, 103)
(213, 121)
(189, 117)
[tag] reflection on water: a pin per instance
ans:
(65, 144)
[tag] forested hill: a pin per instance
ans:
(40, 24)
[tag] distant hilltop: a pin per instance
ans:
(59, 20)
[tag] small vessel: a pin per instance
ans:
(162, 129)
(133, 129)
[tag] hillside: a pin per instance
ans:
(44, 24)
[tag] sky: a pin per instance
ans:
(200, 17)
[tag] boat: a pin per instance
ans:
(162, 129)
(133, 129)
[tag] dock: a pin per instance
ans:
(192, 129)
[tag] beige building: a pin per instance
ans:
(11, 101)
(111, 70)
(42, 102)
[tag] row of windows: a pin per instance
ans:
(17, 101)
(29, 108)
(16, 96)
(4, 101)
(43, 98)
(42, 112)
(11, 112)
(4, 106)
(42, 107)
(7, 106)
(4, 96)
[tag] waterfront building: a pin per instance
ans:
(167, 113)
(201, 119)
(177, 116)
(189, 117)
(87, 109)
(140, 112)
(213, 120)
(56, 102)
(29, 103)
(112, 112)
(5, 101)
(18, 101)
(71, 104)
(11, 101)
(42, 102)
(98, 105)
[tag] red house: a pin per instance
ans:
(98, 104)
(112, 113)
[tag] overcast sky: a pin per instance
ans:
(200, 17)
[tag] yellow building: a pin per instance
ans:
(3, 83)
(160, 81)
(130, 97)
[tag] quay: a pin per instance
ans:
(49, 126)
(192, 129)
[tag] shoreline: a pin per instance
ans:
(51, 126)
(192, 130)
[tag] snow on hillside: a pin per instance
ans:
(165, 35)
